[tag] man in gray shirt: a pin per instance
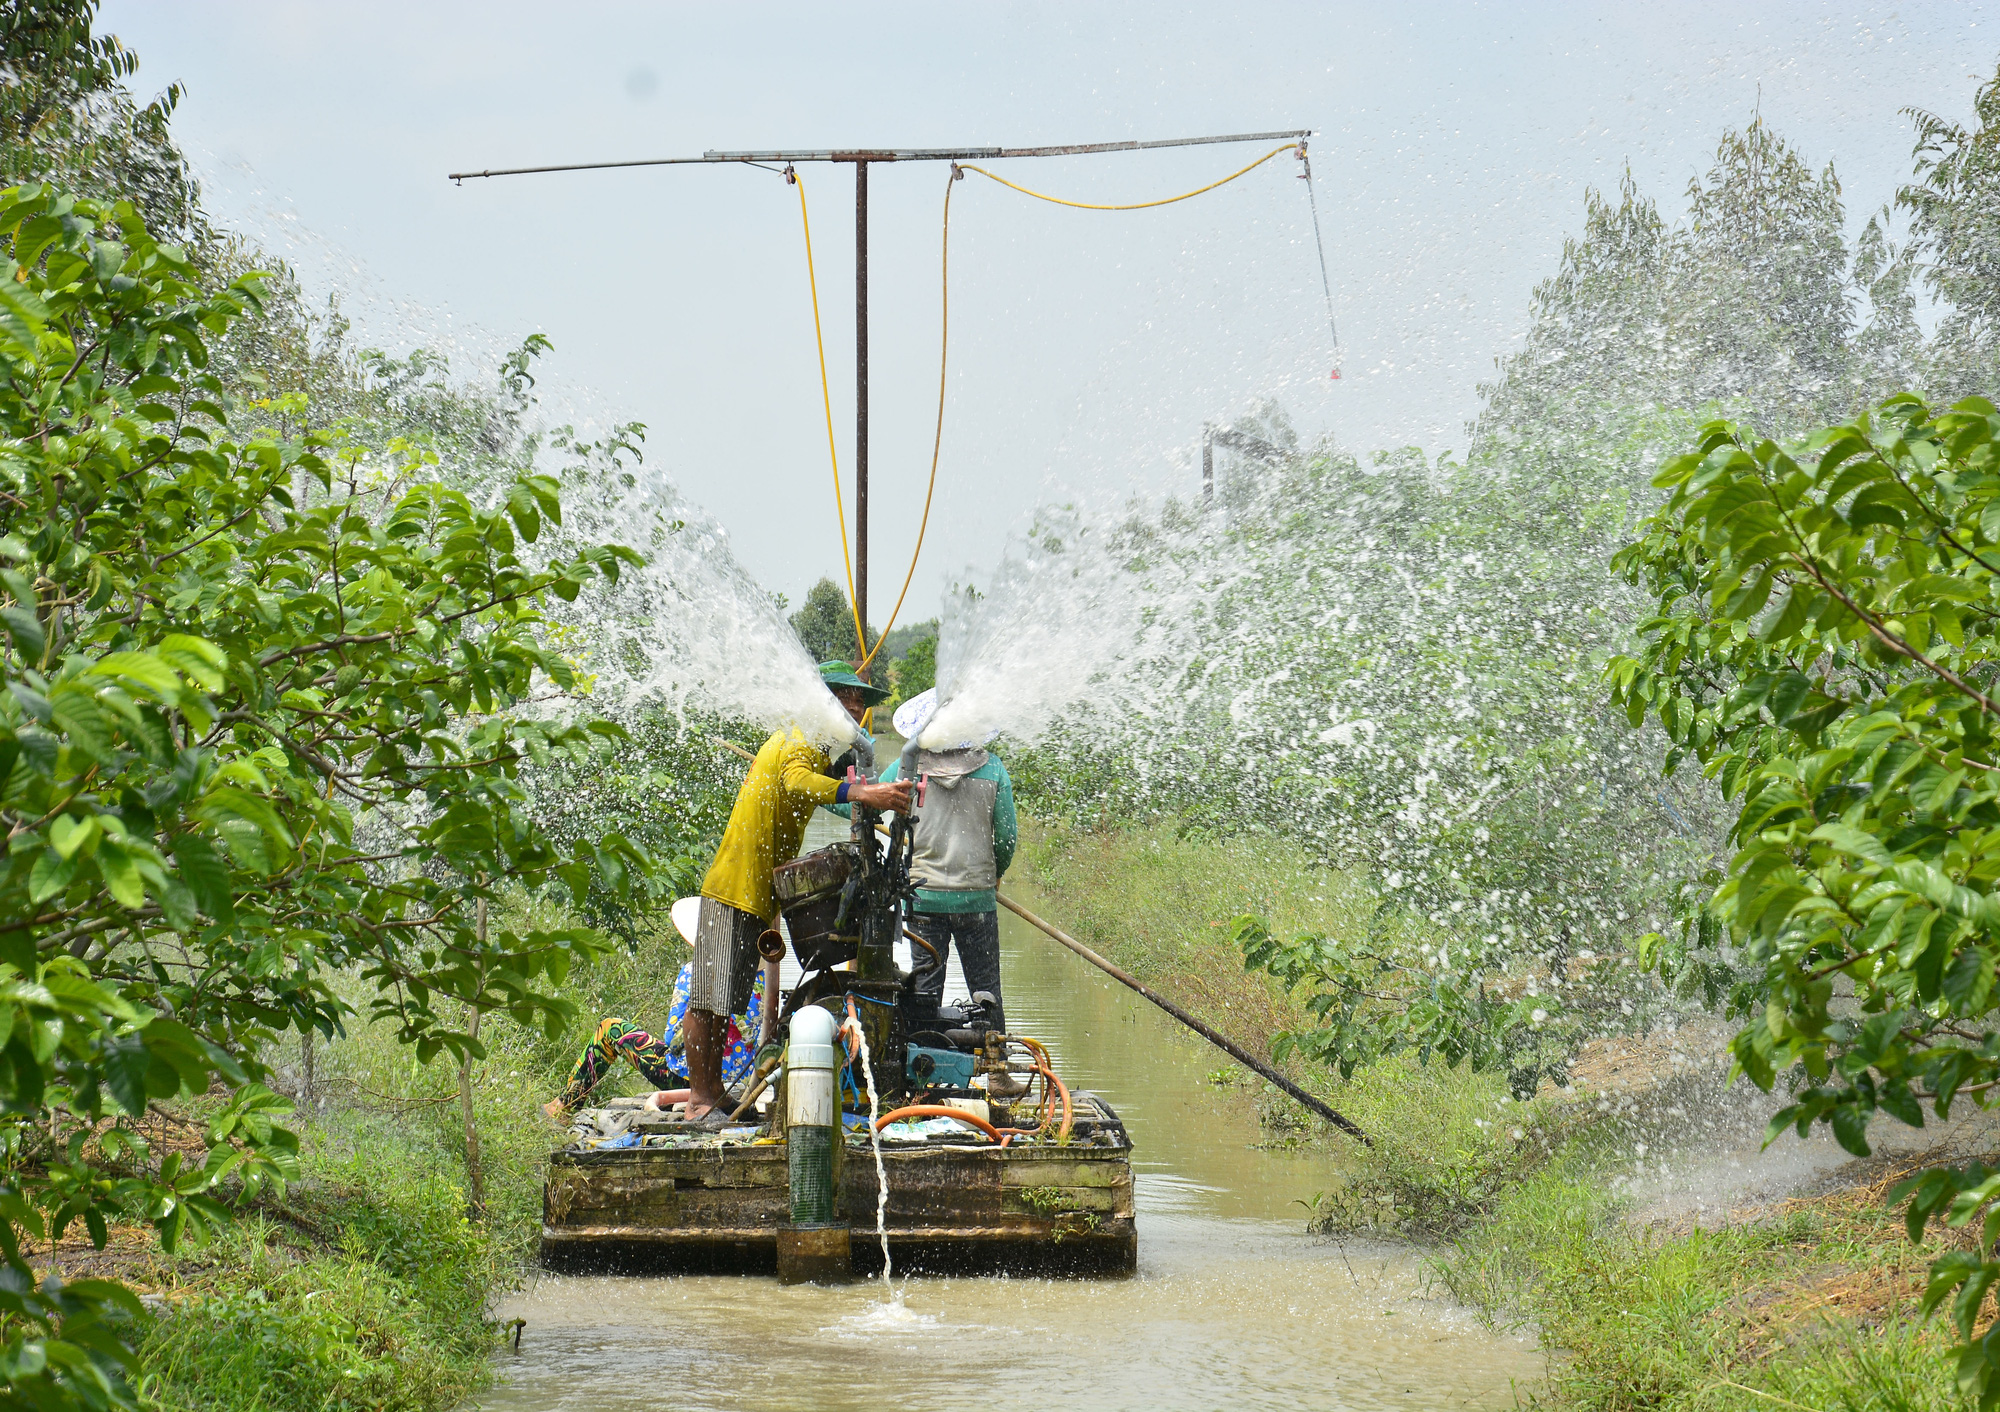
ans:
(966, 834)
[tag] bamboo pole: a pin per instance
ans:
(1220, 1041)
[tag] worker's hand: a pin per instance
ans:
(895, 795)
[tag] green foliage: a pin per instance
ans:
(1954, 206)
(66, 117)
(916, 670)
(1825, 647)
(668, 788)
(259, 723)
(899, 639)
(1380, 994)
(825, 624)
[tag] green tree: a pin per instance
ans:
(1762, 215)
(66, 116)
(1825, 645)
(262, 719)
(1953, 201)
(916, 669)
(825, 624)
(1891, 347)
(1749, 308)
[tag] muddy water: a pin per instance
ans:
(1231, 1306)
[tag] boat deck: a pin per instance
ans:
(670, 1200)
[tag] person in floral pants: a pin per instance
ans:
(661, 1061)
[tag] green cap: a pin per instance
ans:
(838, 673)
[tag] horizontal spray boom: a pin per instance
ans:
(891, 154)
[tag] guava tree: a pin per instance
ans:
(1825, 647)
(260, 721)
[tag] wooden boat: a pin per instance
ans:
(675, 1200)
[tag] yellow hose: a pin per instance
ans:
(1137, 205)
(944, 345)
(826, 397)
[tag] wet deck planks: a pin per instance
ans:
(949, 1207)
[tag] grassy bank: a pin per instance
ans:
(371, 1282)
(1448, 1142)
(1809, 1305)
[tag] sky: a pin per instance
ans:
(1454, 145)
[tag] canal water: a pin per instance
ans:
(1232, 1305)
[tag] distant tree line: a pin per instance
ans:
(906, 661)
(1398, 660)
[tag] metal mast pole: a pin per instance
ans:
(861, 404)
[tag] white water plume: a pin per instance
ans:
(1083, 618)
(691, 631)
(1395, 665)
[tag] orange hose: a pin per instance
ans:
(1069, 1115)
(850, 1032)
(1046, 1068)
(937, 1110)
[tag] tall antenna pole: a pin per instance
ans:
(861, 405)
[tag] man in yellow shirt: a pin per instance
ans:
(790, 778)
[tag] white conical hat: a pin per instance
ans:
(915, 712)
(687, 917)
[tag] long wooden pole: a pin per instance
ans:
(1222, 1042)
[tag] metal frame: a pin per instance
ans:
(862, 158)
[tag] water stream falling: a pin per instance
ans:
(854, 1027)
(691, 633)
